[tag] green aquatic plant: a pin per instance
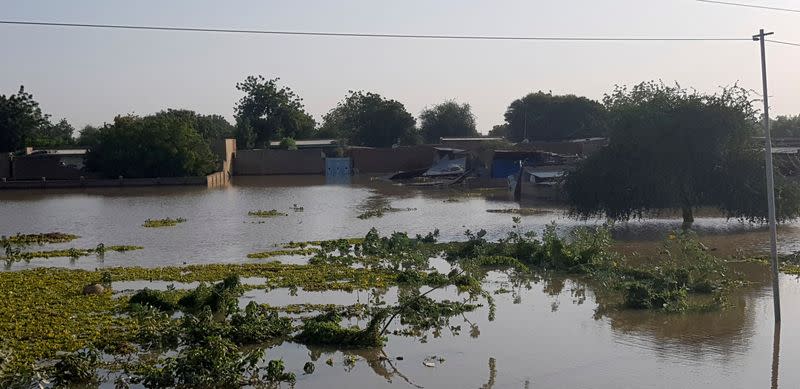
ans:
(67, 253)
(270, 213)
(258, 324)
(77, 368)
(520, 211)
(38, 239)
(221, 297)
(276, 373)
(161, 300)
(380, 212)
(168, 222)
(275, 253)
(325, 329)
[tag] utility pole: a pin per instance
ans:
(773, 233)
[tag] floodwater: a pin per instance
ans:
(550, 334)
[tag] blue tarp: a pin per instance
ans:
(502, 168)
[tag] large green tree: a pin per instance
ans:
(22, 124)
(671, 148)
(448, 119)
(160, 145)
(368, 119)
(545, 117)
(270, 112)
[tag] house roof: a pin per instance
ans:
(471, 139)
(309, 143)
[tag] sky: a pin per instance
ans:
(88, 76)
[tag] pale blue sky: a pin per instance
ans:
(90, 75)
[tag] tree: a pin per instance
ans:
(89, 136)
(785, 127)
(545, 117)
(272, 112)
(448, 119)
(499, 130)
(368, 119)
(22, 124)
(160, 145)
(670, 148)
(210, 127)
(52, 135)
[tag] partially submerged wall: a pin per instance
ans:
(271, 162)
(369, 160)
(34, 167)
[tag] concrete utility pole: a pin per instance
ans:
(773, 233)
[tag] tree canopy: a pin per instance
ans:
(268, 111)
(448, 119)
(22, 124)
(671, 148)
(160, 145)
(786, 126)
(368, 119)
(545, 117)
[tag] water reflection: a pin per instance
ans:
(776, 352)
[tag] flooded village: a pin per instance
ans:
(401, 210)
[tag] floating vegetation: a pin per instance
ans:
(275, 253)
(195, 338)
(270, 213)
(168, 222)
(382, 211)
(326, 330)
(320, 242)
(520, 211)
(66, 253)
(39, 239)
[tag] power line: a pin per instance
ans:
(377, 35)
(750, 6)
(783, 42)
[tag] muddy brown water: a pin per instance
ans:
(552, 334)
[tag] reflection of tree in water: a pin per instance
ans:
(376, 359)
(492, 374)
(692, 335)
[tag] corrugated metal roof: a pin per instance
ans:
(308, 142)
(469, 139)
(785, 150)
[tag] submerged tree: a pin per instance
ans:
(368, 119)
(446, 120)
(545, 117)
(671, 148)
(160, 145)
(270, 112)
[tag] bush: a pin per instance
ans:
(288, 144)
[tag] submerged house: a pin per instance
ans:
(507, 163)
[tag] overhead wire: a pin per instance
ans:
(750, 5)
(376, 35)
